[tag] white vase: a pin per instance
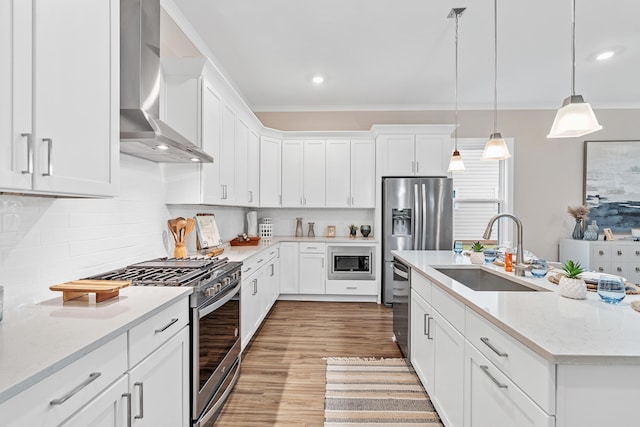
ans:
(476, 257)
(572, 288)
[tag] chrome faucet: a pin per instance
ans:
(519, 268)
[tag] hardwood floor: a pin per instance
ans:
(282, 378)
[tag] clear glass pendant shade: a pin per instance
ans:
(574, 119)
(496, 148)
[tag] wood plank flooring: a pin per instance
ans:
(282, 378)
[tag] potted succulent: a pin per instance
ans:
(477, 255)
(353, 229)
(571, 285)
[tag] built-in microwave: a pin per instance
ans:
(351, 263)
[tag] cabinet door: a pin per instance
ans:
(270, 172)
(449, 371)
(431, 155)
(76, 119)
(289, 270)
(241, 190)
(109, 409)
(397, 155)
(491, 399)
(15, 94)
(253, 168)
(363, 174)
(338, 171)
(251, 310)
(227, 156)
(314, 174)
(292, 159)
(211, 143)
(312, 273)
(159, 385)
(422, 344)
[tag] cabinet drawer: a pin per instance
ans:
(421, 285)
(70, 388)
(449, 307)
(534, 375)
(352, 287)
(600, 265)
(252, 264)
(601, 252)
(313, 248)
(155, 331)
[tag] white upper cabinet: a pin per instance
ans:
(253, 170)
(193, 108)
(241, 189)
(350, 174)
(314, 174)
(292, 159)
(59, 125)
(270, 189)
(414, 154)
(338, 175)
(228, 156)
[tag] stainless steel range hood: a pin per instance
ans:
(142, 133)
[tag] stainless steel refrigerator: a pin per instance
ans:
(417, 213)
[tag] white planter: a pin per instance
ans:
(476, 257)
(572, 288)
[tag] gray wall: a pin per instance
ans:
(548, 172)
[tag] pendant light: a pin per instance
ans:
(456, 163)
(575, 117)
(496, 147)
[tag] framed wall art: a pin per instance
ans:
(612, 184)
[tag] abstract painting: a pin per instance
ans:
(612, 184)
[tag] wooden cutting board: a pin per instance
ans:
(104, 289)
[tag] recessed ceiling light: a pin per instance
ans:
(605, 55)
(162, 147)
(195, 159)
(318, 80)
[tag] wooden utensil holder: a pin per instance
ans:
(180, 251)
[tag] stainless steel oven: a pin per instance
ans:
(401, 305)
(351, 263)
(216, 353)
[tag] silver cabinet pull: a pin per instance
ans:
(429, 319)
(601, 252)
(250, 196)
(417, 167)
(352, 288)
(29, 153)
(273, 270)
(49, 142)
(140, 400)
(619, 252)
(637, 268)
(424, 324)
(600, 269)
(619, 268)
(248, 269)
(280, 199)
(637, 252)
(352, 201)
(485, 340)
(485, 368)
(92, 377)
(167, 326)
(305, 201)
(128, 397)
(255, 286)
(260, 260)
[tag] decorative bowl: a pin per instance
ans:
(365, 230)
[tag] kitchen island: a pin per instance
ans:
(520, 358)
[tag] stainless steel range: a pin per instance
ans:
(214, 319)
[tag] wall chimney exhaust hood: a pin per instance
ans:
(142, 133)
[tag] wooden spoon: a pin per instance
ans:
(191, 224)
(172, 227)
(181, 223)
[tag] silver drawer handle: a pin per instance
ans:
(244, 271)
(485, 340)
(353, 288)
(167, 326)
(92, 377)
(429, 328)
(619, 252)
(141, 400)
(601, 252)
(601, 269)
(128, 397)
(619, 268)
(260, 260)
(485, 368)
(29, 153)
(49, 142)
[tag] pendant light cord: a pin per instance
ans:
(495, 66)
(573, 48)
(455, 135)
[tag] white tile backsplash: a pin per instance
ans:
(284, 220)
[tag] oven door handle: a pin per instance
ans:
(216, 305)
(397, 269)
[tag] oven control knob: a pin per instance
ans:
(209, 292)
(227, 281)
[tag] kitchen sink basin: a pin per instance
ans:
(484, 281)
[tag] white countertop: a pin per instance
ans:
(241, 253)
(561, 330)
(37, 339)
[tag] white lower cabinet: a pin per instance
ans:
(492, 399)
(109, 409)
(313, 268)
(422, 343)
(159, 385)
(289, 268)
(250, 299)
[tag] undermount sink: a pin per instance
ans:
(484, 281)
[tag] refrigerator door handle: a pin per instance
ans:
(423, 216)
(417, 214)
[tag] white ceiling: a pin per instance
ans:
(399, 54)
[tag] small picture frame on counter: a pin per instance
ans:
(608, 234)
(331, 231)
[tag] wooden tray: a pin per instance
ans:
(104, 289)
(253, 241)
(630, 288)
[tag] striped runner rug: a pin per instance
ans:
(368, 392)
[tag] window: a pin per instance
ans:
(480, 192)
